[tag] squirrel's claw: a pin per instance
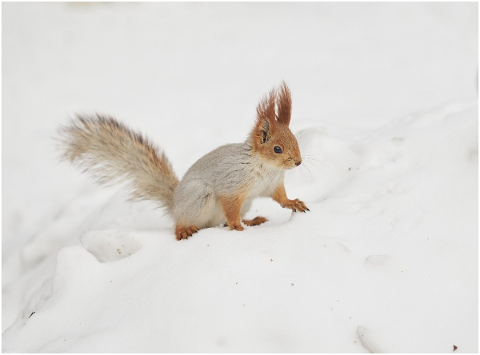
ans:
(185, 232)
(295, 205)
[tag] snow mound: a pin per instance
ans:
(386, 261)
(111, 245)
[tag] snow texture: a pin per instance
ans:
(385, 112)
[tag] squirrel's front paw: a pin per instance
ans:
(295, 205)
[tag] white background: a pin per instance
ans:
(189, 76)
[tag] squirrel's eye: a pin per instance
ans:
(277, 149)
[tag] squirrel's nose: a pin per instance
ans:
(297, 163)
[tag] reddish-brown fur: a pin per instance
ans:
(255, 222)
(280, 196)
(284, 103)
(271, 129)
(231, 207)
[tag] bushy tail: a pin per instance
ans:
(113, 153)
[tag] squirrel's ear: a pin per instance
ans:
(266, 121)
(264, 131)
(284, 104)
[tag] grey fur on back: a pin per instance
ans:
(111, 152)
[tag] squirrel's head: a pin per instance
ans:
(271, 138)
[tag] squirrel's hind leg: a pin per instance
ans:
(232, 206)
(250, 222)
(184, 232)
(255, 222)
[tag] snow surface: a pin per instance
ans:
(385, 112)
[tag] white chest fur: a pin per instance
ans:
(265, 178)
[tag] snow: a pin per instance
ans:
(385, 112)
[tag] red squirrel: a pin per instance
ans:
(219, 188)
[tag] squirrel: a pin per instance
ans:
(218, 189)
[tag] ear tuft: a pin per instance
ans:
(284, 104)
(273, 109)
(266, 121)
(266, 108)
